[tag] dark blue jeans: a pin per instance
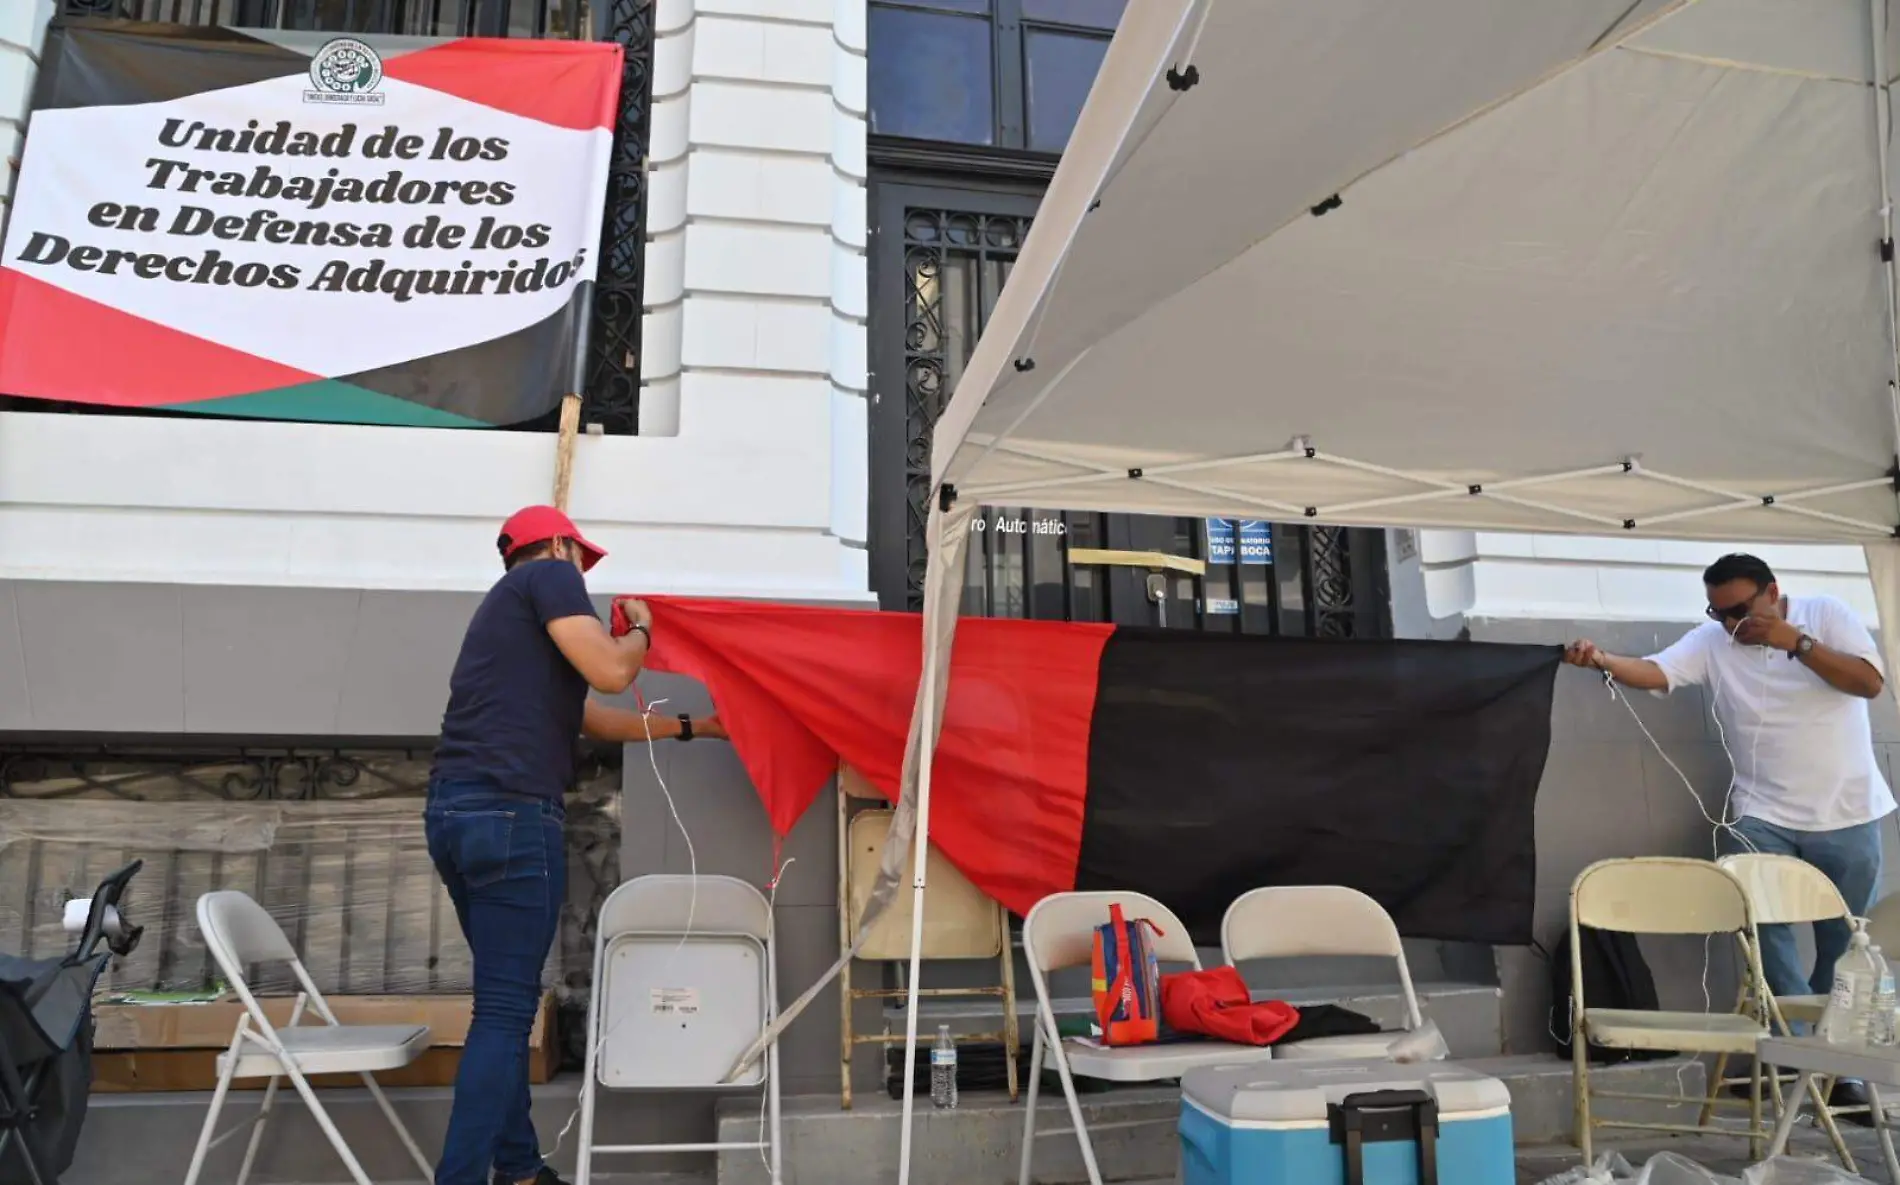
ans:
(502, 857)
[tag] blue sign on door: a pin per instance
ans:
(1256, 542)
(1220, 541)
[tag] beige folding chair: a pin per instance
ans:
(1060, 933)
(1318, 921)
(1785, 891)
(239, 934)
(1662, 895)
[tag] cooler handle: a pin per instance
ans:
(1382, 1116)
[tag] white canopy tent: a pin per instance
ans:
(1589, 266)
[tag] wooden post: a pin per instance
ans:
(564, 454)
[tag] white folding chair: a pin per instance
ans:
(240, 934)
(1319, 921)
(684, 982)
(1060, 933)
(1783, 890)
(1662, 895)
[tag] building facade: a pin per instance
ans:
(819, 203)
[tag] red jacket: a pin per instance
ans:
(1216, 1003)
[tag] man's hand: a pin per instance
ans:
(629, 612)
(637, 611)
(1639, 673)
(1772, 632)
(711, 728)
(1584, 653)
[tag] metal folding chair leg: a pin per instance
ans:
(257, 1129)
(1075, 1104)
(1029, 1105)
(1879, 1116)
(402, 1132)
(1580, 1086)
(207, 1133)
(329, 1128)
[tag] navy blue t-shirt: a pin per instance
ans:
(515, 702)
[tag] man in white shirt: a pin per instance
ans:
(1789, 681)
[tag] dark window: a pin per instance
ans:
(941, 256)
(1090, 14)
(1060, 69)
(989, 73)
(931, 77)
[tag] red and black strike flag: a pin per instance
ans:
(1192, 767)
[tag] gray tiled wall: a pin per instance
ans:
(1609, 791)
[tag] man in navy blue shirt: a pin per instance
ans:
(518, 706)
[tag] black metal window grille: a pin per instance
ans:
(612, 397)
(940, 257)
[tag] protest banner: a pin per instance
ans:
(305, 226)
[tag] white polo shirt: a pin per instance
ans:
(1803, 752)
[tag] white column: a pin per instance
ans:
(756, 285)
(22, 33)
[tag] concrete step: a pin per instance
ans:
(1134, 1129)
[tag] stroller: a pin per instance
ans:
(46, 1041)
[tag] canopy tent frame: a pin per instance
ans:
(1352, 513)
(960, 454)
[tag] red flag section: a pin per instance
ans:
(556, 82)
(801, 690)
(140, 363)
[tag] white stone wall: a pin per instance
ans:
(22, 32)
(757, 282)
(1589, 578)
(749, 478)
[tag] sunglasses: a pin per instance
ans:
(1735, 612)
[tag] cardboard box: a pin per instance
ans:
(154, 1047)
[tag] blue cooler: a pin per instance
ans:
(1344, 1123)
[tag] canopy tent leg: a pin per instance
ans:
(948, 538)
(1883, 558)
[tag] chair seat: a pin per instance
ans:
(1687, 1032)
(1352, 1047)
(336, 1049)
(1802, 1009)
(1155, 1063)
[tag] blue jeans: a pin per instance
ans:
(1851, 859)
(505, 864)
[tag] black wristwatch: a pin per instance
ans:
(1802, 647)
(686, 727)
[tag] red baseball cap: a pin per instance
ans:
(538, 524)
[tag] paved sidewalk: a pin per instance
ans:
(1728, 1156)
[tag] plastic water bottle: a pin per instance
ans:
(1880, 1029)
(943, 1070)
(1856, 980)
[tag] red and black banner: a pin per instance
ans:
(1192, 767)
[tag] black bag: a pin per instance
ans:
(1615, 975)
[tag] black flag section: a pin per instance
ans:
(1407, 770)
